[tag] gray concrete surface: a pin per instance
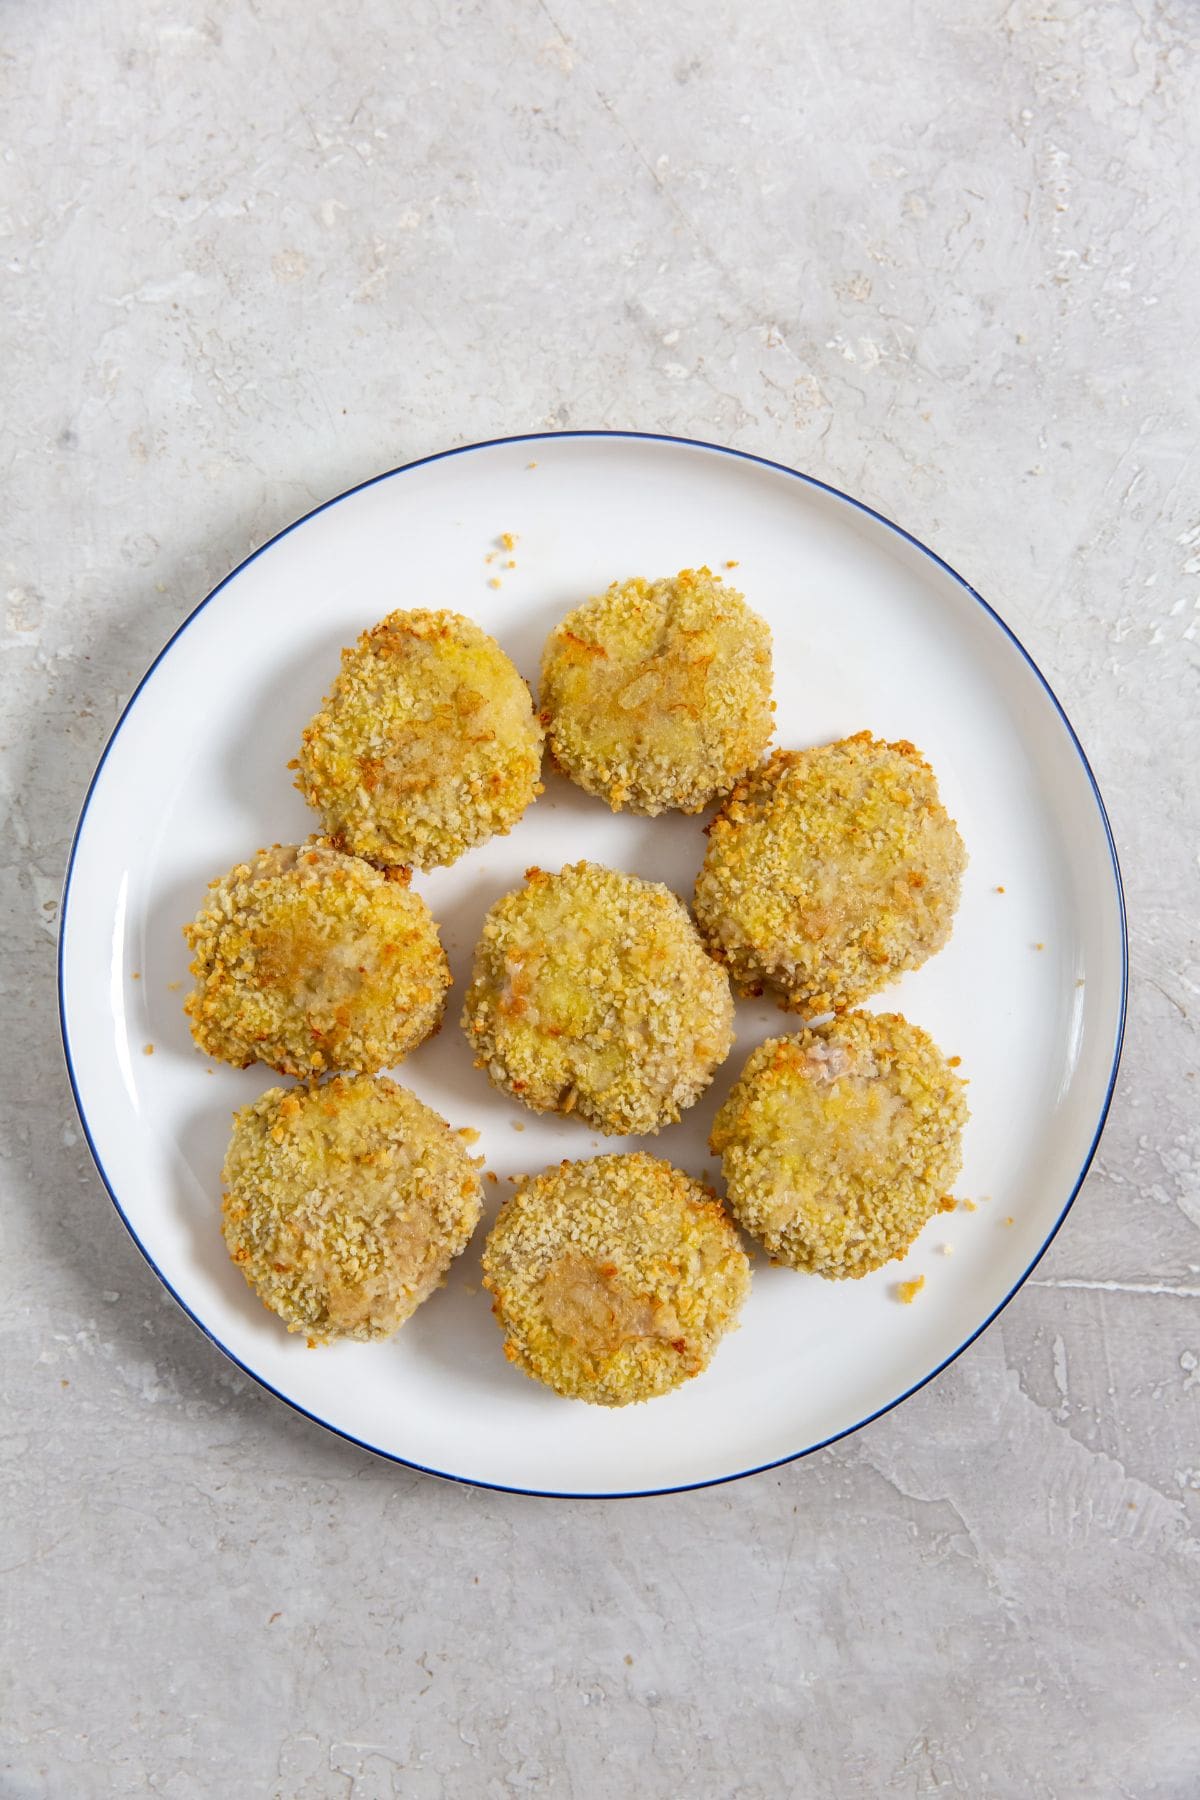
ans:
(942, 255)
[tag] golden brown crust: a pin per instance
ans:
(308, 960)
(346, 1204)
(614, 1278)
(427, 744)
(838, 1144)
(829, 872)
(658, 694)
(591, 994)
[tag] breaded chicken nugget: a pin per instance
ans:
(308, 960)
(838, 1144)
(658, 694)
(427, 744)
(346, 1204)
(829, 872)
(592, 994)
(615, 1278)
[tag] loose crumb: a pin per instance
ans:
(999, 890)
(469, 1287)
(1039, 946)
(147, 1049)
(136, 976)
(732, 565)
(954, 1061)
(511, 563)
(1008, 1221)
(517, 1124)
(532, 465)
(273, 1617)
(969, 1206)
(64, 1383)
(508, 540)
(468, 1134)
(494, 582)
(492, 1176)
(946, 1249)
(629, 1659)
(1079, 983)
(947, 1203)
(490, 557)
(173, 987)
(907, 1291)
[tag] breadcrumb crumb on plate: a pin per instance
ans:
(426, 745)
(614, 1278)
(345, 1205)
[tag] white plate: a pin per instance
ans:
(871, 631)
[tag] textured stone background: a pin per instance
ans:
(942, 255)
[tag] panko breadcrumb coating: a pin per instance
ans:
(658, 694)
(592, 994)
(615, 1278)
(427, 744)
(308, 960)
(838, 1144)
(346, 1204)
(829, 872)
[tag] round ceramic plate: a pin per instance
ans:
(871, 631)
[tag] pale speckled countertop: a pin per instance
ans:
(942, 255)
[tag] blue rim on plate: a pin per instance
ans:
(859, 506)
